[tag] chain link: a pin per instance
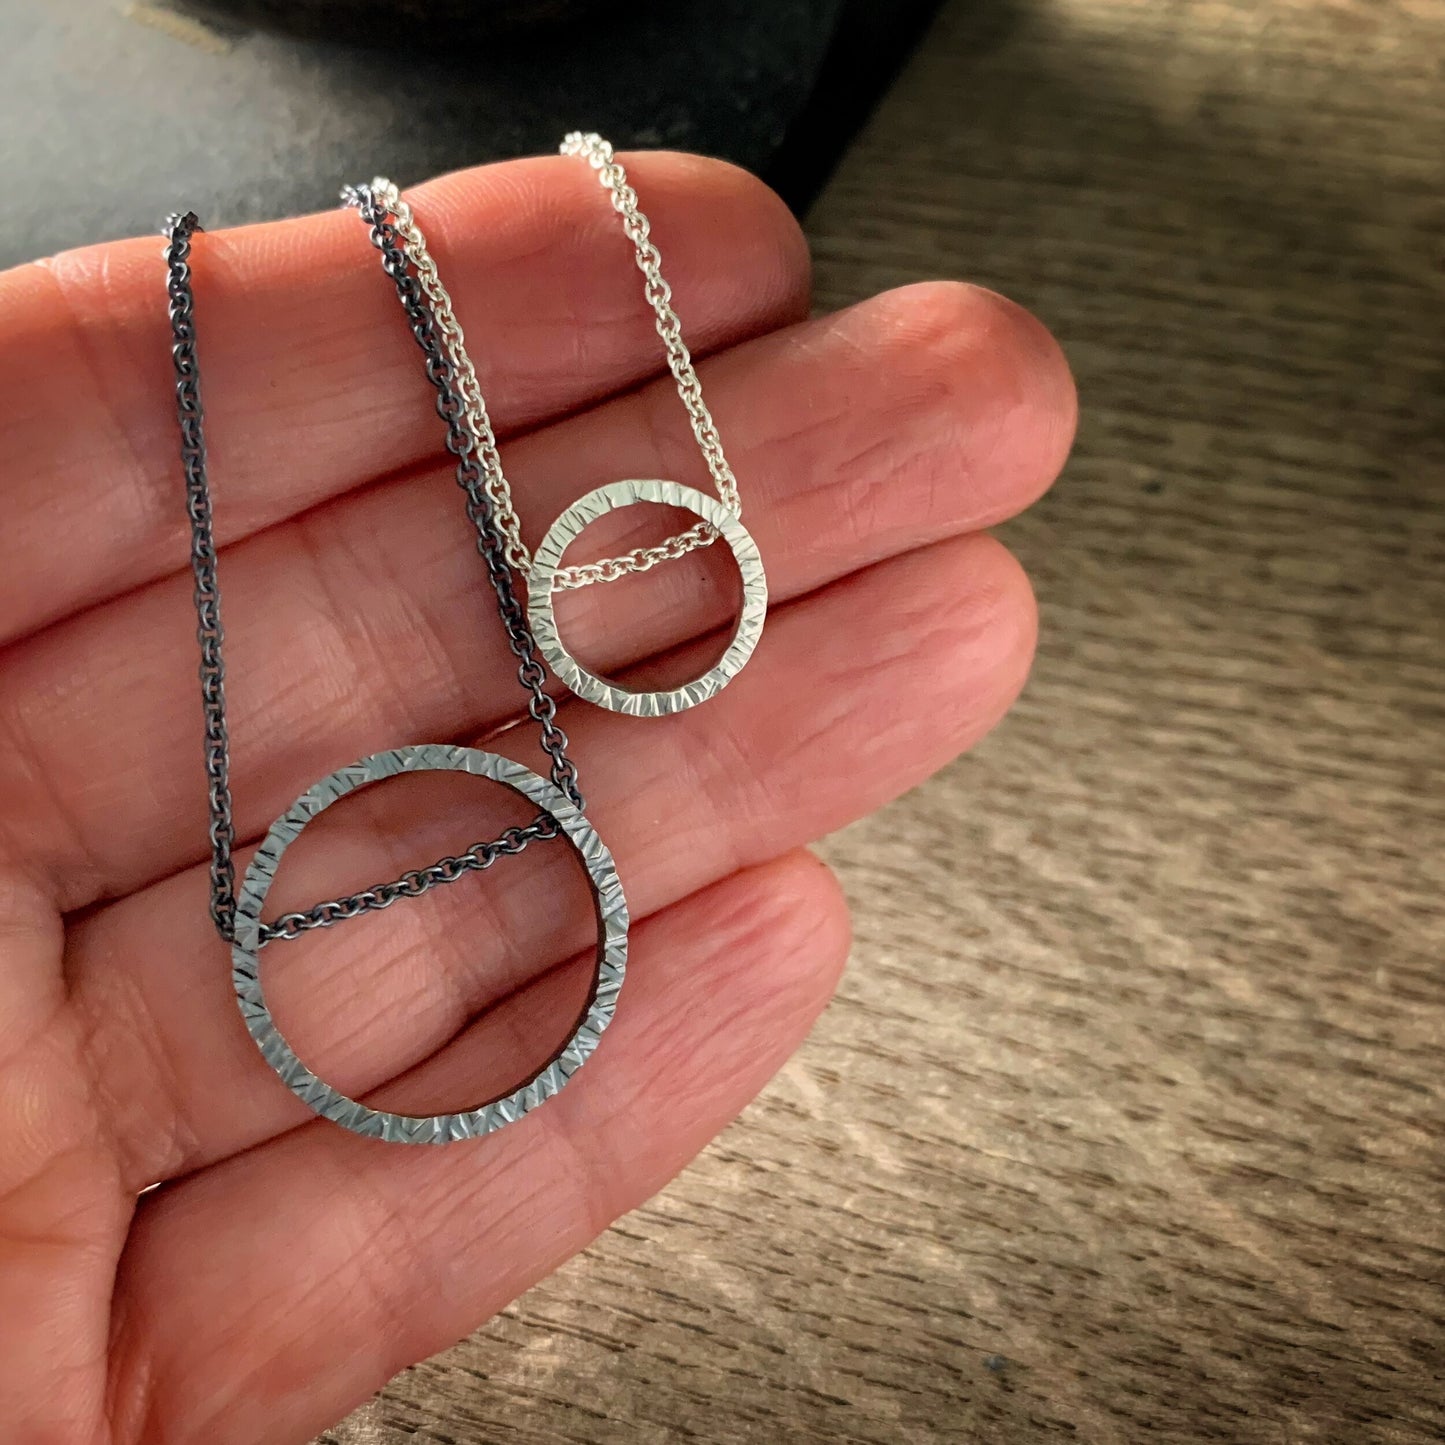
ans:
(659, 295)
(608, 569)
(475, 408)
(179, 230)
(476, 859)
(599, 155)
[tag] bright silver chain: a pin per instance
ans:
(494, 480)
(598, 153)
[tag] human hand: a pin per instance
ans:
(286, 1269)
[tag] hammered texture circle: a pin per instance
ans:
(331, 1103)
(612, 498)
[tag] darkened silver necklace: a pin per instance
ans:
(237, 913)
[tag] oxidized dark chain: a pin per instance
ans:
(203, 564)
(477, 859)
(179, 229)
(490, 542)
(410, 885)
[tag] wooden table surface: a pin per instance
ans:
(1163, 956)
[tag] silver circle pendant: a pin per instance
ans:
(611, 498)
(331, 1103)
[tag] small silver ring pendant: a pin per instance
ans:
(548, 559)
(612, 919)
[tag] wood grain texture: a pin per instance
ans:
(1163, 958)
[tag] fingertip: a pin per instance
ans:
(976, 364)
(756, 219)
(968, 611)
(808, 912)
(778, 937)
(1041, 385)
(1008, 617)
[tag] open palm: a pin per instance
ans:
(285, 1269)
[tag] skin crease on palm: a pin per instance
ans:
(285, 1269)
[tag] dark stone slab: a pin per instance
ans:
(116, 114)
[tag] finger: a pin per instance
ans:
(336, 1261)
(311, 378)
(912, 417)
(866, 689)
(62, 1211)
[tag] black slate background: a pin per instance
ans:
(108, 122)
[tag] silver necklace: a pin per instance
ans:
(235, 912)
(544, 572)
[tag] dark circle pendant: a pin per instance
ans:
(486, 1118)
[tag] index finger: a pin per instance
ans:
(311, 380)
